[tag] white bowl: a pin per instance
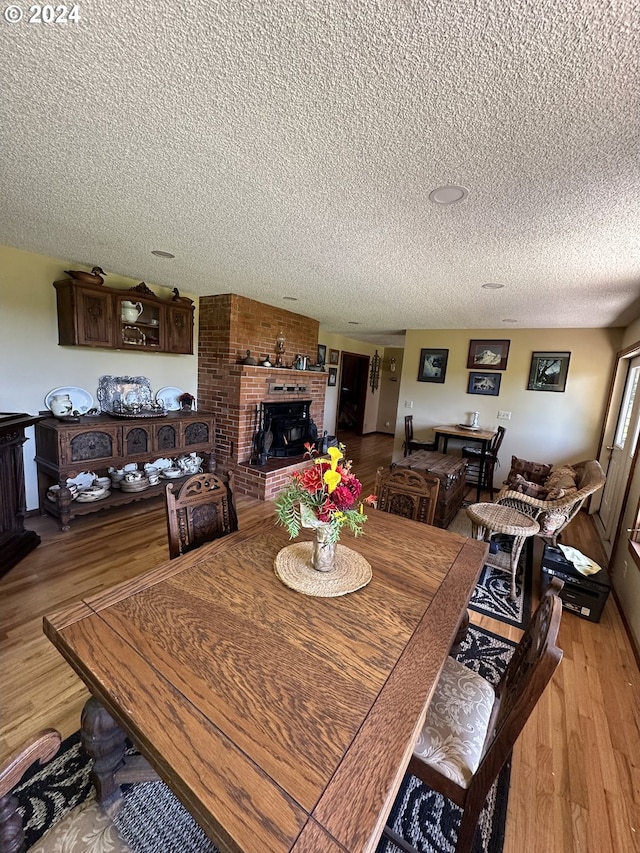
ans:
(171, 473)
(103, 482)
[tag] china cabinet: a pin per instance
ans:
(96, 316)
(64, 450)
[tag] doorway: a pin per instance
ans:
(616, 458)
(353, 392)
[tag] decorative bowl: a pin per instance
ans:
(134, 485)
(170, 473)
(103, 482)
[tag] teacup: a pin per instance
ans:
(132, 476)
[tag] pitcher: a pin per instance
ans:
(131, 311)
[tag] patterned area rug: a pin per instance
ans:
(153, 820)
(491, 595)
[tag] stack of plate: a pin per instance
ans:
(134, 485)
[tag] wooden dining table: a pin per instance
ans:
(282, 721)
(477, 435)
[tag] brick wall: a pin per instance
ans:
(229, 326)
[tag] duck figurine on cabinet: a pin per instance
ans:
(93, 277)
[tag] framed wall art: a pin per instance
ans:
(548, 371)
(333, 376)
(433, 365)
(491, 354)
(484, 383)
(334, 356)
(322, 355)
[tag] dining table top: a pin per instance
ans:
(462, 431)
(282, 721)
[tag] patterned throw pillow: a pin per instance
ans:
(534, 472)
(526, 487)
(563, 477)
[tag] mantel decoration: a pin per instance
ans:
(326, 498)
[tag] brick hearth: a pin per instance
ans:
(229, 326)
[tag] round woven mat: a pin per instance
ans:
(293, 567)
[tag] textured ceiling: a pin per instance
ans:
(288, 148)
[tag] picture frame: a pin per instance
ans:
(487, 384)
(548, 371)
(332, 379)
(433, 365)
(486, 354)
(334, 356)
(322, 355)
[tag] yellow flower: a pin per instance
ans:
(331, 478)
(335, 455)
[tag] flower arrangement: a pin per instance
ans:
(326, 494)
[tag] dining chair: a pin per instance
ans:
(85, 828)
(201, 510)
(410, 443)
(472, 726)
(411, 494)
(490, 460)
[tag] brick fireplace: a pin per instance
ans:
(229, 326)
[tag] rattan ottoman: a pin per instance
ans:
(487, 519)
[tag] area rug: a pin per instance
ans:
(154, 821)
(491, 595)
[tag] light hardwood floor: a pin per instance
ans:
(575, 783)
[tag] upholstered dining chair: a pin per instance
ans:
(490, 460)
(410, 443)
(201, 510)
(85, 828)
(411, 494)
(472, 726)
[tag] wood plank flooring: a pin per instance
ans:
(575, 784)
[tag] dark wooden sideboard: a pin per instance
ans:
(15, 541)
(64, 450)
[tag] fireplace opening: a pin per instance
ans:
(283, 429)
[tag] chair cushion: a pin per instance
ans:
(85, 829)
(526, 487)
(562, 477)
(535, 472)
(455, 729)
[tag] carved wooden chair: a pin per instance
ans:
(472, 726)
(490, 460)
(86, 828)
(410, 443)
(200, 511)
(411, 494)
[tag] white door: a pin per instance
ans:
(620, 456)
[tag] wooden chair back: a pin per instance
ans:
(201, 510)
(411, 494)
(528, 673)
(410, 444)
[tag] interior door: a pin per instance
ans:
(620, 457)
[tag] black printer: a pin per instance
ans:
(585, 595)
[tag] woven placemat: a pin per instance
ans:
(293, 567)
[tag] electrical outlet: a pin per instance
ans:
(504, 416)
(408, 404)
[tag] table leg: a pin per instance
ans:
(105, 742)
(518, 542)
(483, 452)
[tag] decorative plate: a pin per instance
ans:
(81, 400)
(117, 391)
(83, 480)
(88, 497)
(169, 398)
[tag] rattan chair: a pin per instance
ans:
(201, 510)
(411, 494)
(472, 726)
(410, 443)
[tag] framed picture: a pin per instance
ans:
(548, 371)
(333, 376)
(334, 356)
(433, 365)
(491, 354)
(484, 383)
(322, 354)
